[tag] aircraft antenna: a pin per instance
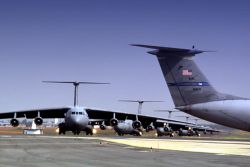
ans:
(76, 86)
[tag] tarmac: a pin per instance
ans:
(55, 151)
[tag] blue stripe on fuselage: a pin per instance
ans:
(189, 84)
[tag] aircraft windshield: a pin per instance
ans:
(77, 113)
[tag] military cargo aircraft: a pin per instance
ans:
(193, 93)
(78, 118)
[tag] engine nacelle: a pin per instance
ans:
(161, 131)
(14, 122)
(150, 128)
(102, 127)
(167, 129)
(38, 121)
(184, 132)
(136, 124)
(113, 122)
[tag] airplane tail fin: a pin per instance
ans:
(186, 83)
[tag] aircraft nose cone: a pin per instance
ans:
(79, 121)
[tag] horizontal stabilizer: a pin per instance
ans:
(171, 50)
(140, 101)
(75, 82)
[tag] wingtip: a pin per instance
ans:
(135, 45)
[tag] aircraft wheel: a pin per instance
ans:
(62, 128)
(90, 132)
(61, 132)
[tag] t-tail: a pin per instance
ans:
(186, 83)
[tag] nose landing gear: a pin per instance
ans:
(76, 132)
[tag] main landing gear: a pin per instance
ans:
(89, 132)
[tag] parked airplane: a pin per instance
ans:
(193, 94)
(188, 132)
(132, 126)
(78, 118)
(166, 130)
(126, 126)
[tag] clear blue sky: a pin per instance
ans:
(88, 41)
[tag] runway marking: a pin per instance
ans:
(215, 147)
(129, 147)
(203, 146)
(38, 143)
(5, 136)
(143, 151)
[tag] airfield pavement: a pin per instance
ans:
(55, 151)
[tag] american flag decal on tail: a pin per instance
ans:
(186, 72)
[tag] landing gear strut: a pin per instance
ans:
(89, 132)
(76, 132)
(62, 129)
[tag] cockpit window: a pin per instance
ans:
(77, 113)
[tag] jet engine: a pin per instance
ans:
(102, 127)
(38, 121)
(150, 128)
(167, 129)
(188, 132)
(136, 124)
(113, 122)
(14, 122)
(164, 131)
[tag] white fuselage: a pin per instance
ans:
(125, 127)
(76, 119)
(232, 113)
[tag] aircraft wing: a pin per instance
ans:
(205, 129)
(176, 125)
(146, 120)
(44, 113)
